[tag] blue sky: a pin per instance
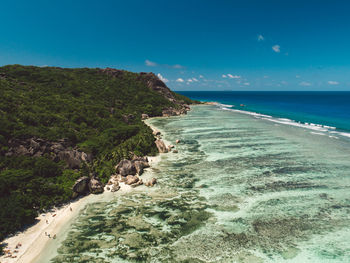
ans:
(192, 45)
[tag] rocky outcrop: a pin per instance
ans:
(61, 150)
(115, 187)
(125, 167)
(140, 164)
(81, 185)
(113, 72)
(132, 167)
(161, 146)
(85, 185)
(95, 186)
(132, 179)
(113, 183)
(151, 182)
(175, 112)
(155, 84)
(144, 116)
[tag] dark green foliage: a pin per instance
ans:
(98, 113)
(28, 185)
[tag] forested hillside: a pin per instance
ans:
(58, 124)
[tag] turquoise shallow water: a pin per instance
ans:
(241, 189)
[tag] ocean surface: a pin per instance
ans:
(242, 188)
(330, 109)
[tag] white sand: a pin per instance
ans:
(34, 240)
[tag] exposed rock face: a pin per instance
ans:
(115, 188)
(144, 116)
(140, 165)
(114, 183)
(126, 167)
(175, 112)
(135, 166)
(131, 179)
(81, 185)
(95, 186)
(155, 84)
(161, 146)
(62, 150)
(113, 72)
(86, 185)
(151, 182)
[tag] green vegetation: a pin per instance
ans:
(98, 113)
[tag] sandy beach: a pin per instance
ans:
(35, 239)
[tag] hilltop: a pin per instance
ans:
(60, 124)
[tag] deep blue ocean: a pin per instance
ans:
(324, 108)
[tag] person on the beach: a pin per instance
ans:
(54, 236)
(47, 221)
(70, 209)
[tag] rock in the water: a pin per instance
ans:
(177, 141)
(151, 182)
(144, 116)
(175, 151)
(95, 186)
(140, 165)
(81, 185)
(126, 167)
(139, 182)
(161, 146)
(115, 188)
(131, 179)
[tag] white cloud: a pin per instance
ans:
(332, 82)
(305, 83)
(179, 80)
(154, 64)
(176, 66)
(190, 80)
(150, 63)
(260, 38)
(276, 48)
(233, 76)
(162, 78)
(224, 76)
(194, 79)
(246, 83)
(201, 76)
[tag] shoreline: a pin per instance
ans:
(34, 239)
